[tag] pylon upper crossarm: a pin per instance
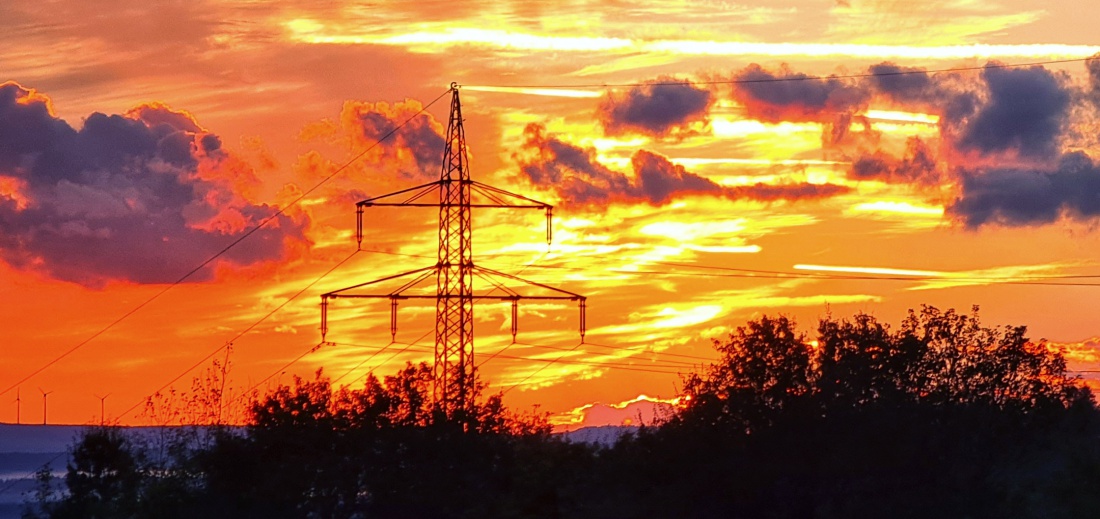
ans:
(500, 195)
(419, 192)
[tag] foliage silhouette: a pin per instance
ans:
(942, 417)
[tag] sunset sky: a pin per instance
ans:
(709, 161)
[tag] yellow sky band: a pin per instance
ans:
(308, 31)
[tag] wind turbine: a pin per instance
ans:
(102, 415)
(44, 395)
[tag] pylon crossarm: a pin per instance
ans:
(425, 275)
(419, 192)
(500, 195)
(495, 193)
(434, 297)
(472, 206)
(567, 294)
(496, 284)
(426, 271)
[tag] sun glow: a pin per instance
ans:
(935, 279)
(12, 189)
(905, 117)
(547, 92)
(890, 206)
(873, 270)
(433, 40)
(619, 413)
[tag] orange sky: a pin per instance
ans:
(137, 139)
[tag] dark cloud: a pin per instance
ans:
(660, 108)
(917, 165)
(957, 107)
(580, 179)
(143, 197)
(658, 180)
(904, 84)
(762, 192)
(1093, 92)
(416, 149)
(1016, 116)
(158, 114)
(572, 171)
(1025, 112)
(790, 96)
(1019, 197)
(914, 88)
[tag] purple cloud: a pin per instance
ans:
(141, 197)
(659, 108)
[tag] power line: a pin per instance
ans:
(220, 253)
(245, 331)
(808, 78)
(597, 364)
(671, 364)
(665, 353)
(733, 272)
(30, 475)
(561, 359)
(1037, 280)
(311, 349)
(379, 352)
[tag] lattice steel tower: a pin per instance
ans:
(454, 271)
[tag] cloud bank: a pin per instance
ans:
(1000, 149)
(580, 179)
(143, 197)
(659, 108)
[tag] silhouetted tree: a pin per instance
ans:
(103, 478)
(942, 417)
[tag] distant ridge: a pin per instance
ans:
(38, 438)
(603, 435)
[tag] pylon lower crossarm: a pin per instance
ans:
(426, 271)
(472, 206)
(567, 294)
(434, 297)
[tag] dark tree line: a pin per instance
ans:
(942, 417)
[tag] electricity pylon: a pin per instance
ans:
(454, 271)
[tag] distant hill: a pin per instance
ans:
(23, 450)
(37, 438)
(603, 435)
(26, 448)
